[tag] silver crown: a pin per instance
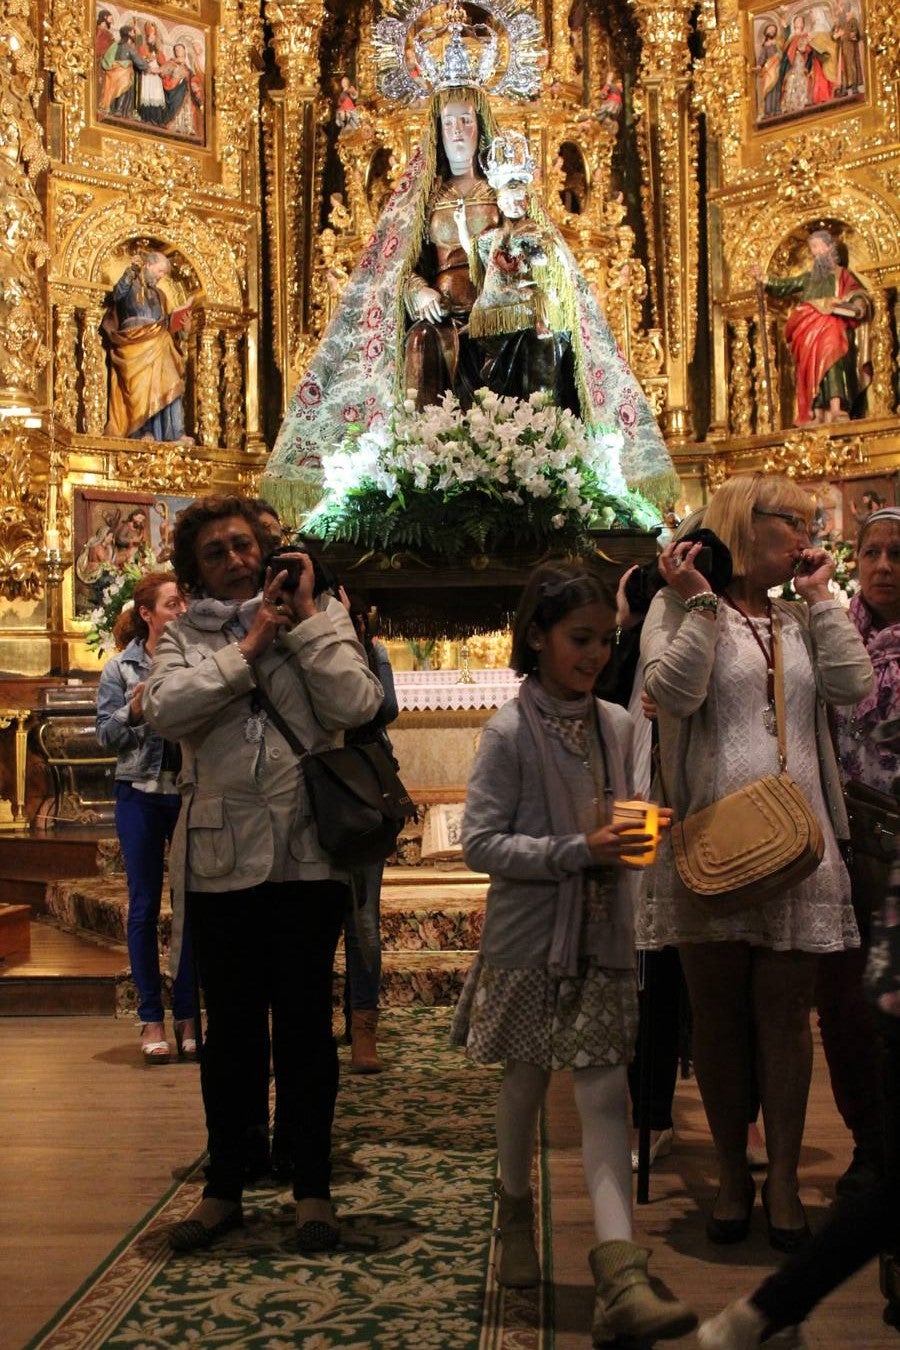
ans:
(508, 159)
(423, 46)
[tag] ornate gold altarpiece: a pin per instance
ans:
(264, 215)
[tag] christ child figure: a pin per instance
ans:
(509, 262)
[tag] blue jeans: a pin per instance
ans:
(144, 822)
(363, 983)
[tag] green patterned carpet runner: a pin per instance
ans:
(414, 1170)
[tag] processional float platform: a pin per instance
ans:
(418, 595)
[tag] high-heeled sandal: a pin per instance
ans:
(154, 1052)
(186, 1046)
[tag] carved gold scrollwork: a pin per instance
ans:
(716, 471)
(806, 168)
(718, 87)
(22, 509)
(812, 453)
(65, 58)
(355, 150)
(172, 468)
(883, 27)
(23, 247)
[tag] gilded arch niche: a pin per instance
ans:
(206, 267)
(101, 235)
(761, 370)
(875, 230)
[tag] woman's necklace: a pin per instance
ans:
(769, 719)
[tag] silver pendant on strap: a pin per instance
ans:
(769, 720)
(255, 728)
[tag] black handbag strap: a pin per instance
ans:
(261, 700)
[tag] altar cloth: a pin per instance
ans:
(438, 690)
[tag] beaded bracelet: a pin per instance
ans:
(705, 600)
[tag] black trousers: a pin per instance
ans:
(270, 945)
(856, 1230)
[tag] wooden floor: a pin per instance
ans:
(89, 1139)
(54, 952)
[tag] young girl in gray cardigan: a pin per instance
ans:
(553, 986)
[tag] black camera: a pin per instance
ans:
(713, 562)
(281, 560)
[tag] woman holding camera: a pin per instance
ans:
(709, 665)
(264, 903)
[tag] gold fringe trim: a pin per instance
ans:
(497, 320)
(293, 498)
(662, 489)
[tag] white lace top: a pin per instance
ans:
(815, 915)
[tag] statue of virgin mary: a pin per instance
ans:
(401, 331)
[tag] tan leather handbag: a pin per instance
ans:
(750, 846)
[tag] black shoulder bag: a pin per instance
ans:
(357, 799)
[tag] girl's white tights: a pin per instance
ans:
(601, 1096)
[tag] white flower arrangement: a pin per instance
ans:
(507, 471)
(115, 598)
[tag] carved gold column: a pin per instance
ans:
(562, 57)
(233, 394)
(365, 52)
(764, 393)
(598, 46)
(289, 123)
(670, 160)
(65, 367)
(210, 421)
(739, 382)
(23, 248)
(718, 81)
(881, 396)
(95, 373)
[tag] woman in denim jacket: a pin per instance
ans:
(146, 808)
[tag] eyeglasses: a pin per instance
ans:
(797, 523)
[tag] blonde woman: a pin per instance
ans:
(709, 668)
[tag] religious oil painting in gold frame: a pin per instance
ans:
(114, 530)
(150, 73)
(861, 496)
(808, 58)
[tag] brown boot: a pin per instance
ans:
(363, 1052)
(627, 1303)
(518, 1266)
